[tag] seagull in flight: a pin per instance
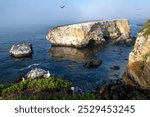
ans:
(62, 7)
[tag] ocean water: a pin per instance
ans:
(60, 61)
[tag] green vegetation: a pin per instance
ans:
(146, 28)
(146, 56)
(86, 96)
(42, 89)
(45, 97)
(33, 88)
(38, 84)
(1, 88)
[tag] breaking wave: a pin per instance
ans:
(30, 66)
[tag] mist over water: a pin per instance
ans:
(26, 13)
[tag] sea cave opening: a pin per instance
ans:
(91, 43)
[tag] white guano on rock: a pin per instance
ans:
(21, 50)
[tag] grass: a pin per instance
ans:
(146, 28)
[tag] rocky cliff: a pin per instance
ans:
(138, 68)
(82, 34)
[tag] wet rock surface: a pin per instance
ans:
(115, 67)
(93, 63)
(21, 50)
(117, 90)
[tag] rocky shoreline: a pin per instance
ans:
(118, 90)
(135, 84)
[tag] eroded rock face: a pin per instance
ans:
(124, 39)
(80, 35)
(21, 50)
(138, 68)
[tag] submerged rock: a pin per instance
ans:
(93, 63)
(37, 73)
(138, 68)
(115, 67)
(21, 50)
(89, 33)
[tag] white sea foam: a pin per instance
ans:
(47, 38)
(30, 66)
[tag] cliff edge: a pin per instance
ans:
(82, 34)
(138, 68)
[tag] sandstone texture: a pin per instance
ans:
(95, 32)
(138, 68)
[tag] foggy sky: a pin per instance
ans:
(14, 13)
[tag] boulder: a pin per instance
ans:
(83, 34)
(138, 68)
(21, 50)
(124, 39)
(93, 63)
(37, 73)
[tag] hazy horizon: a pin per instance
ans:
(19, 13)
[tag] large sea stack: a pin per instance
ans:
(95, 32)
(138, 68)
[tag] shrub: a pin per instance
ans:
(87, 96)
(44, 97)
(38, 84)
(146, 28)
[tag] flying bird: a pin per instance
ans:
(62, 7)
